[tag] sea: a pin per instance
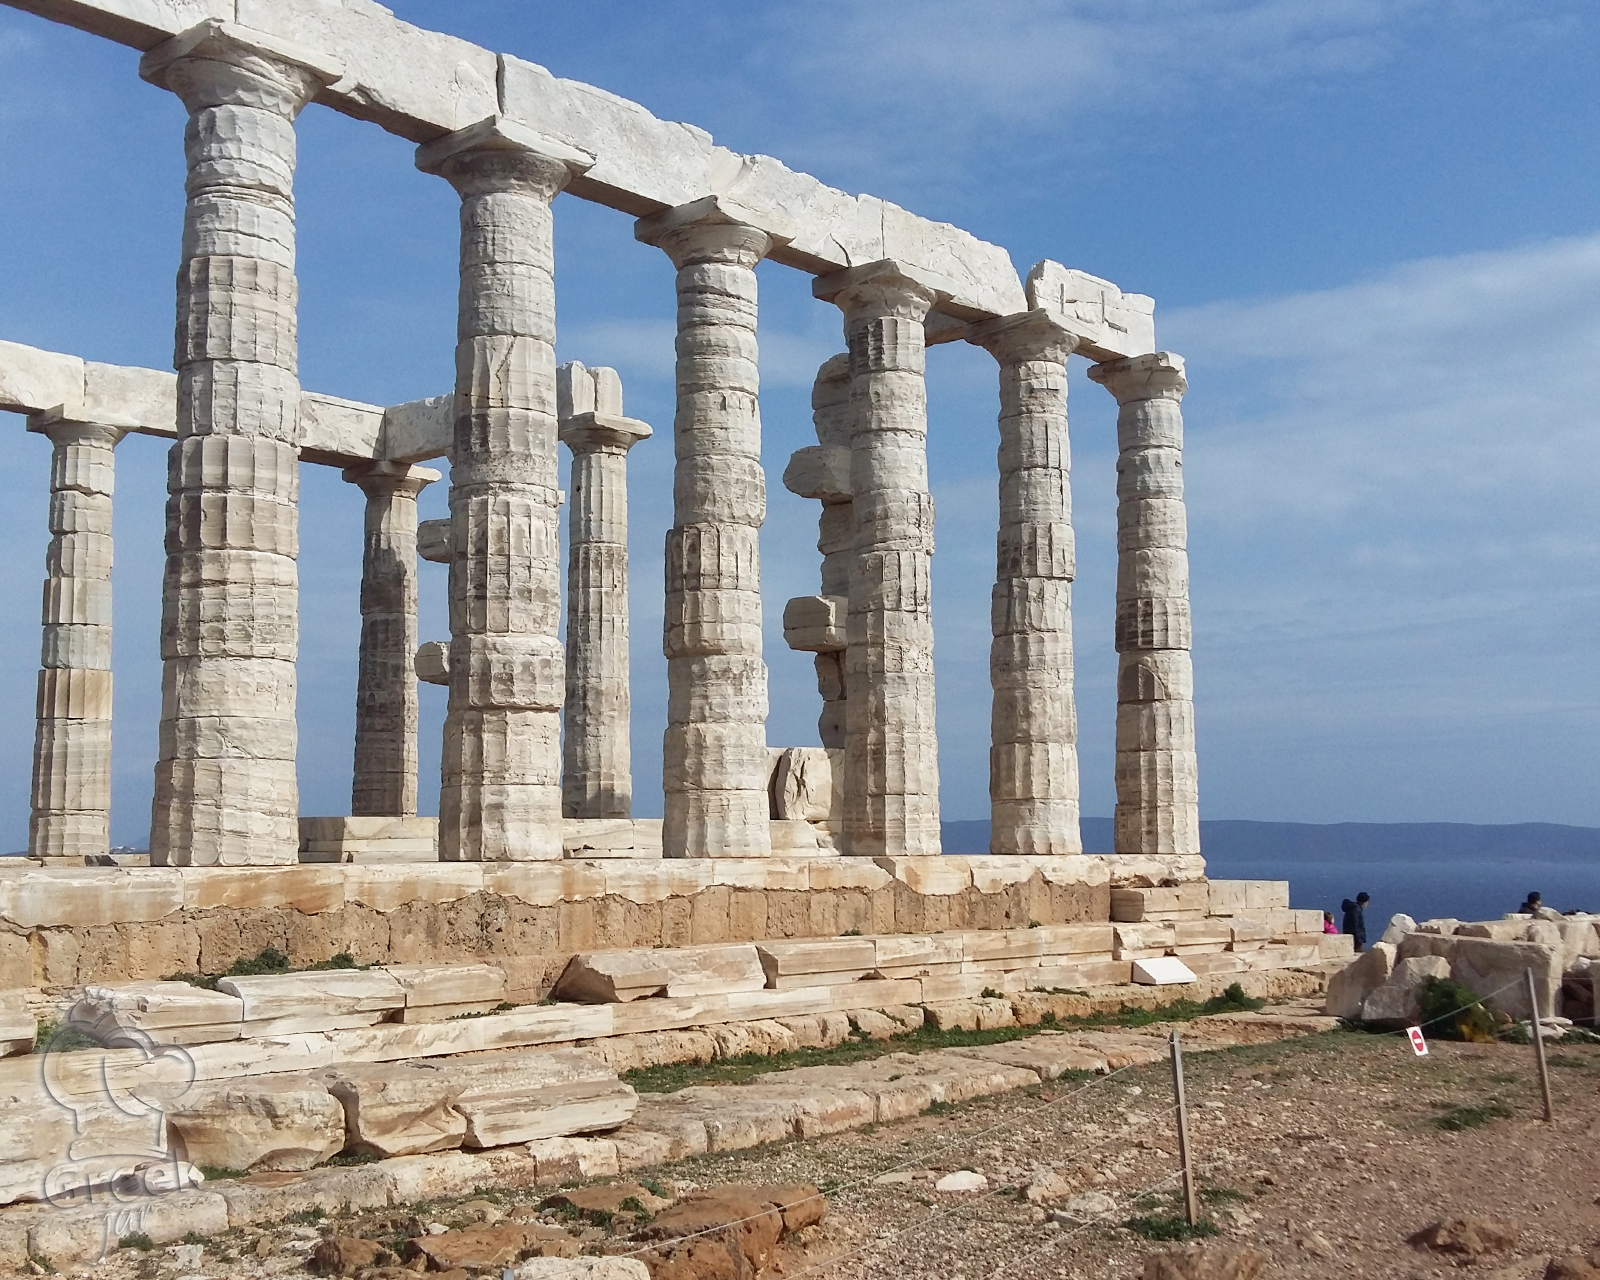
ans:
(1426, 870)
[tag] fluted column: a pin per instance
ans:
(71, 815)
(715, 747)
(1033, 727)
(816, 624)
(384, 780)
(891, 740)
(1158, 797)
(225, 788)
(500, 797)
(597, 764)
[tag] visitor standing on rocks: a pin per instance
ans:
(1355, 918)
(1532, 905)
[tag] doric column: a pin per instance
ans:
(891, 741)
(715, 748)
(72, 739)
(816, 624)
(1158, 797)
(596, 763)
(225, 777)
(384, 781)
(501, 793)
(1033, 751)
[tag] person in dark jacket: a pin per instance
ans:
(1531, 906)
(1355, 918)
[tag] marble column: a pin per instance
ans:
(384, 780)
(1158, 797)
(715, 748)
(1033, 751)
(596, 764)
(71, 815)
(816, 624)
(500, 798)
(225, 790)
(891, 749)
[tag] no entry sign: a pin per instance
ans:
(1419, 1046)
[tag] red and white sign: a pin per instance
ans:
(1419, 1046)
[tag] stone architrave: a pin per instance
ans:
(891, 741)
(500, 798)
(715, 747)
(822, 471)
(384, 782)
(225, 790)
(596, 764)
(1033, 752)
(71, 812)
(1157, 779)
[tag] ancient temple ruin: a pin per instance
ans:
(788, 895)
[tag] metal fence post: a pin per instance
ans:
(1538, 1045)
(1191, 1208)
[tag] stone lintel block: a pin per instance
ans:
(315, 1001)
(812, 957)
(1107, 323)
(168, 1012)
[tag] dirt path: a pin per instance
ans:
(1326, 1152)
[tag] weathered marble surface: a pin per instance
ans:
(891, 742)
(714, 750)
(1157, 775)
(501, 793)
(225, 790)
(596, 761)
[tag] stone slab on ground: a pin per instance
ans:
(167, 1012)
(320, 1000)
(271, 1123)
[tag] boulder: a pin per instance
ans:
(1442, 925)
(1468, 1238)
(1086, 1207)
(485, 1248)
(1206, 1262)
(345, 1255)
(1494, 969)
(1048, 1187)
(281, 1123)
(1574, 1266)
(500, 1119)
(1400, 924)
(749, 1219)
(1350, 987)
(1397, 1003)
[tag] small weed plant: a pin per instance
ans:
(1170, 1226)
(1452, 1012)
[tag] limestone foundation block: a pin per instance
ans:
(279, 1123)
(323, 1000)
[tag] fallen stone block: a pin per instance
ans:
(400, 1109)
(485, 1248)
(612, 977)
(720, 970)
(497, 1120)
(1397, 1003)
(346, 1255)
(560, 1160)
(318, 1000)
(1494, 969)
(815, 961)
(436, 992)
(166, 1012)
(272, 1123)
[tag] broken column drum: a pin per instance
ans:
(500, 797)
(384, 780)
(891, 741)
(715, 748)
(71, 802)
(1033, 754)
(816, 624)
(1158, 799)
(597, 768)
(225, 790)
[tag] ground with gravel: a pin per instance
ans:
(1326, 1151)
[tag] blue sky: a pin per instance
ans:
(1370, 226)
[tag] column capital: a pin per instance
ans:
(55, 424)
(384, 477)
(882, 288)
(1027, 335)
(498, 154)
(714, 227)
(602, 433)
(1158, 376)
(219, 63)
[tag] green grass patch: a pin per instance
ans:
(1470, 1115)
(269, 960)
(215, 1173)
(54, 1036)
(137, 1240)
(505, 1006)
(1170, 1226)
(306, 1217)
